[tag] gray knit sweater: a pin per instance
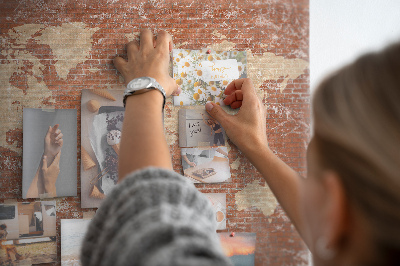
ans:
(153, 217)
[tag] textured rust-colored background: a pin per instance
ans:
(263, 27)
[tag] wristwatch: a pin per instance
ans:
(142, 85)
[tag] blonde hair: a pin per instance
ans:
(357, 134)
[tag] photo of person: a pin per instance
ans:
(198, 129)
(49, 156)
(9, 249)
(28, 233)
(216, 129)
(206, 165)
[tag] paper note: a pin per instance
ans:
(203, 75)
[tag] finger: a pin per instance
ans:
(57, 158)
(44, 163)
(60, 142)
(236, 105)
(55, 128)
(48, 131)
(234, 97)
(131, 48)
(164, 41)
(119, 63)
(59, 136)
(146, 40)
(57, 132)
(245, 85)
(217, 113)
(177, 92)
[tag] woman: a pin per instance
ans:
(346, 210)
(10, 250)
(217, 129)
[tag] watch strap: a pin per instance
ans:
(154, 85)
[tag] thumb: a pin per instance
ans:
(57, 158)
(217, 113)
(49, 131)
(119, 64)
(44, 163)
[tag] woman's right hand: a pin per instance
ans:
(246, 129)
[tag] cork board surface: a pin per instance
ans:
(51, 50)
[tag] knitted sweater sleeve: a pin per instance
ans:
(153, 217)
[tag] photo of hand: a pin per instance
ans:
(44, 182)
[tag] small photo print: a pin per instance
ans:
(28, 233)
(239, 247)
(204, 74)
(102, 114)
(72, 234)
(206, 165)
(198, 129)
(218, 201)
(49, 156)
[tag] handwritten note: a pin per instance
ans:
(193, 128)
(219, 70)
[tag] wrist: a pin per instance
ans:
(150, 100)
(50, 188)
(143, 85)
(257, 150)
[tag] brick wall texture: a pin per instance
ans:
(51, 50)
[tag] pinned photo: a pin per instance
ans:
(218, 201)
(49, 156)
(206, 165)
(198, 129)
(72, 234)
(204, 74)
(102, 115)
(239, 247)
(28, 233)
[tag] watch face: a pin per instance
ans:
(140, 83)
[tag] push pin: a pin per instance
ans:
(232, 234)
(208, 51)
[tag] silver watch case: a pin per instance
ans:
(143, 85)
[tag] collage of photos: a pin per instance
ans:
(49, 156)
(28, 233)
(204, 74)
(102, 114)
(28, 230)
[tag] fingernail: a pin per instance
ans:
(209, 106)
(179, 90)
